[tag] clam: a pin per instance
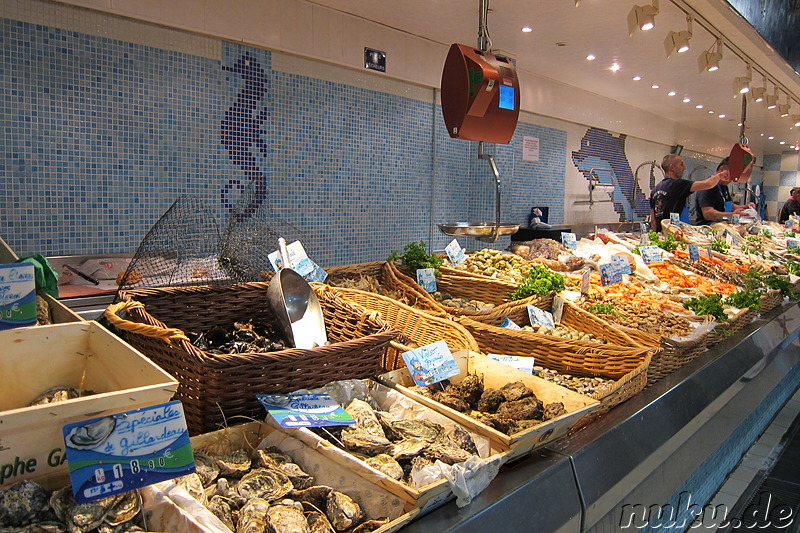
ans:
(286, 519)
(266, 483)
(342, 510)
(90, 435)
(253, 516)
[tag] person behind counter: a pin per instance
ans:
(791, 206)
(714, 203)
(670, 195)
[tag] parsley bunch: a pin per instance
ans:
(539, 280)
(415, 256)
(707, 305)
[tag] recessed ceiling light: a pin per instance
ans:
(686, 99)
(637, 78)
(699, 106)
(671, 93)
(590, 57)
(770, 137)
(654, 86)
(761, 134)
(722, 116)
(782, 142)
(740, 125)
(527, 29)
(615, 67)
(710, 112)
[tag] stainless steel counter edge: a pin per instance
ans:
(642, 451)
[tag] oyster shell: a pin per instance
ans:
(446, 453)
(461, 438)
(234, 464)
(471, 389)
(370, 525)
(90, 435)
(318, 522)
(357, 439)
(191, 483)
(365, 417)
(554, 410)
(253, 516)
(516, 390)
(61, 501)
(224, 489)
(221, 508)
(452, 401)
(286, 519)
(206, 467)
(87, 516)
(59, 393)
(125, 509)
(271, 457)
(527, 408)
(23, 503)
(407, 448)
(266, 483)
(342, 510)
(299, 478)
(386, 464)
(316, 496)
(490, 400)
(43, 527)
(416, 429)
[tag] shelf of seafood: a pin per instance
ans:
(542, 340)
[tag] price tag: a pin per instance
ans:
(17, 295)
(735, 218)
(304, 410)
(310, 270)
(585, 277)
(610, 274)
(431, 363)
(508, 323)
(623, 263)
(709, 251)
(651, 254)
(791, 243)
(558, 309)
(427, 279)
(675, 218)
(520, 363)
(643, 228)
(569, 240)
(455, 252)
(728, 237)
(789, 223)
(117, 453)
(644, 240)
(694, 252)
(539, 317)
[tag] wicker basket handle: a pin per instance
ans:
(167, 334)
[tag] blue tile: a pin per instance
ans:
(771, 193)
(772, 161)
(788, 178)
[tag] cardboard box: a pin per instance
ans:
(375, 501)
(81, 355)
(495, 375)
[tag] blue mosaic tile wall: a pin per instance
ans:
(102, 135)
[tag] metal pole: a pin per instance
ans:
(483, 32)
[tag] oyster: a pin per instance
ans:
(234, 464)
(43, 527)
(221, 508)
(554, 410)
(503, 425)
(357, 439)
(62, 501)
(299, 478)
(370, 525)
(123, 510)
(365, 417)
(59, 393)
(286, 519)
(224, 489)
(266, 483)
(23, 503)
(461, 438)
(451, 400)
(446, 453)
(253, 516)
(271, 458)
(407, 448)
(471, 389)
(316, 496)
(206, 467)
(527, 408)
(87, 516)
(386, 464)
(90, 435)
(490, 400)
(342, 510)
(416, 429)
(318, 522)
(191, 483)
(516, 390)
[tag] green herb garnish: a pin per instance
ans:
(745, 298)
(707, 305)
(415, 256)
(720, 246)
(539, 280)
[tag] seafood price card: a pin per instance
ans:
(791, 243)
(569, 240)
(539, 317)
(431, 363)
(455, 252)
(694, 252)
(650, 254)
(17, 296)
(520, 363)
(735, 218)
(610, 273)
(426, 279)
(624, 264)
(675, 218)
(304, 410)
(126, 451)
(508, 323)
(310, 270)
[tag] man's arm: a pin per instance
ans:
(708, 183)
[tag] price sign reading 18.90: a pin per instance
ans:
(125, 451)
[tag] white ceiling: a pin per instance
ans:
(600, 28)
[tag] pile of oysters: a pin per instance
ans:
(242, 337)
(59, 393)
(265, 490)
(510, 409)
(397, 446)
(25, 507)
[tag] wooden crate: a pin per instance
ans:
(376, 501)
(495, 375)
(426, 498)
(80, 355)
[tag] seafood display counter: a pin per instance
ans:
(676, 440)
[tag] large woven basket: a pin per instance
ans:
(213, 387)
(727, 329)
(417, 328)
(770, 300)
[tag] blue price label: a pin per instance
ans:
(304, 410)
(125, 451)
(622, 263)
(540, 317)
(508, 323)
(431, 363)
(569, 240)
(694, 252)
(651, 254)
(674, 218)
(427, 279)
(455, 252)
(610, 273)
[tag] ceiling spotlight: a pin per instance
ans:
(771, 137)
(782, 142)
(796, 120)
(772, 99)
(615, 67)
(758, 93)
(709, 60)
(722, 115)
(699, 106)
(637, 78)
(590, 57)
(678, 41)
(686, 99)
(741, 84)
(671, 93)
(642, 18)
(527, 29)
(783, 110)
(654, 86)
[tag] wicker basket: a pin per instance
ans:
(770, 300)
(727, 329)
(416, 327)
(214, 387)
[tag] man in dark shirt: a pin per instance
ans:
(791, 206)
(715, 203)
(669, 196)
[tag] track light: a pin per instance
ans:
(757, 94)
(783, 110)
(796, 120)
(642, 18)
(709, 60)
(772, 99)
(678, 41)
(741, 84)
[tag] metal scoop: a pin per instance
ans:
(296, 307)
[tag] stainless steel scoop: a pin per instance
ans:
(296, 307)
